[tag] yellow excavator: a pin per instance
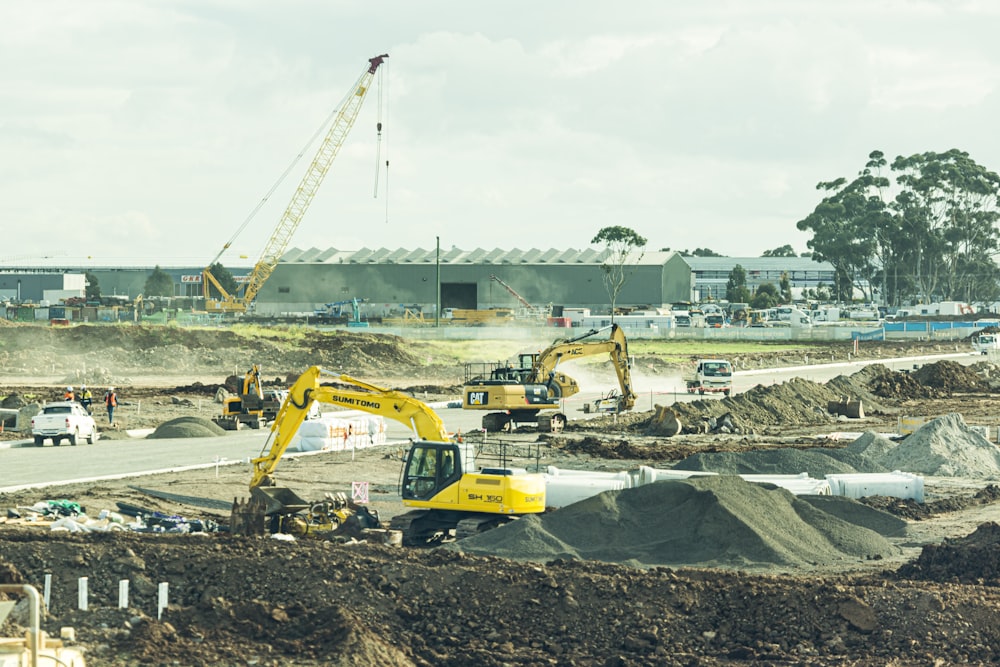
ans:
(255, 406)
(448, 496)
(519, 394)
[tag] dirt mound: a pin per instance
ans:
(950, 377)
(973, 559)
(887, 383)
(908, 508)
(817, 462)
(309, 603)
(187, 427)
(718, 521)
(98, 354)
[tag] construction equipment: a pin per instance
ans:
(336, 312)
(438, 481)
(526, 311)
(472, 316)
(278, 243)
(36, 647)
(518, 395)
(255, 406)
(611, 402)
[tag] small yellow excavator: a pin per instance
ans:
(519, 395)
(255, 406)
(448, 496)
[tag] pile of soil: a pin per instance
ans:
(310, 603)
(101, 355)
(973, 559)
(950, 377)
(718, 521)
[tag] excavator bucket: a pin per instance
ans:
(664, 422)
(247, 517)
(279, 500)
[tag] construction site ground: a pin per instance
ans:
(922, 592)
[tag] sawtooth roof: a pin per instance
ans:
(457, 256)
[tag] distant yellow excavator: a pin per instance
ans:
(254, 406)
(519, 395)
(449, 497)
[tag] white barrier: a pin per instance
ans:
(648, 475)
(622, 475)
(798, 485)
(561, 491)
(330, 433)
(894, 484)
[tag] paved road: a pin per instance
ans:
(25, 467)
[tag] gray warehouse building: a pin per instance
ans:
(392, 280)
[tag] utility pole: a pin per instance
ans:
(437, 282)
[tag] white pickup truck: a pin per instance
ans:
(65, 420)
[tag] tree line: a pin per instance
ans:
(919, 229)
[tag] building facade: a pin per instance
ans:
(391, 281)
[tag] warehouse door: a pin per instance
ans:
(459, 295)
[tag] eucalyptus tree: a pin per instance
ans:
(622, 245)
(951, 204)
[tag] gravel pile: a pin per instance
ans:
(188, 427)
(946, 447)
(943, 447)
(719, 521)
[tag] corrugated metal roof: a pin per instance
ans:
(459, 256)
(757, 263)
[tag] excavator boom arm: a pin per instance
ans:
(426, 424)
(616, 346)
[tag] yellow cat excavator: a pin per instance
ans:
(449, 497)
(519, 395)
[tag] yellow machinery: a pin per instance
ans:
(35, 647)
(346, 115)
(518, 395)
(526, 311)
(254, 407)
(439, 481)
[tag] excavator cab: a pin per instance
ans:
(431, 467)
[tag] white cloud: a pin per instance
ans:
(511, 125)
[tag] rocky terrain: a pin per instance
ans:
(764, 577)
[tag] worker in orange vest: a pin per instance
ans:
(111, 402)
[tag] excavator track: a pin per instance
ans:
(423, 527)
(480, 523)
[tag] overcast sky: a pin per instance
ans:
(146, 132)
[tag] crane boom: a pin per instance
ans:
(278, 243)
(527, 310)
(524, 302)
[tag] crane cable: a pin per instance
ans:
(382, 96)
(281, 179)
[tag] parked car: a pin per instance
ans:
(63, 420)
